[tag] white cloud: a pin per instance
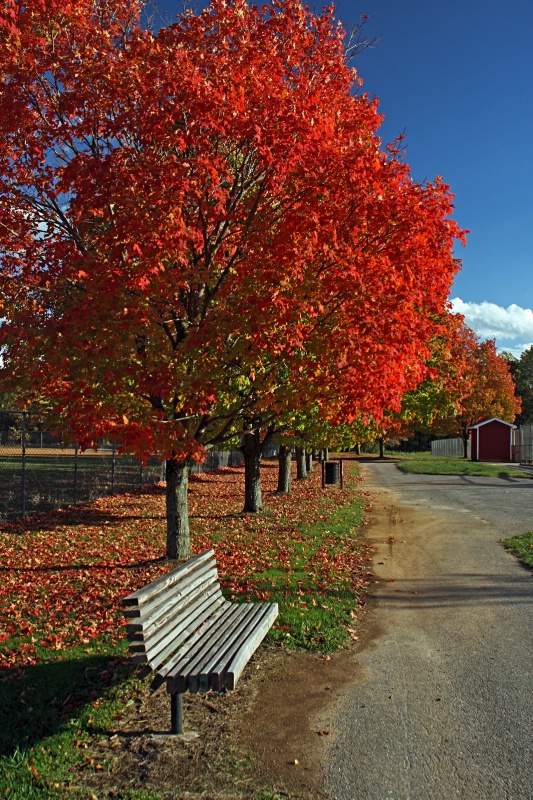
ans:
(490, 321)
(516, 351)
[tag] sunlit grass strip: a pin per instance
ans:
(319, 582)
(521, 546)
(435, 465)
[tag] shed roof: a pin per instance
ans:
(491, 419)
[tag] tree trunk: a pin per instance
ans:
(251, 450)
(301, 471)
(309, 462)
(326, 453)
(177, 509)
(380, 448)
(465, 438)
(284, 471)
(357, 449)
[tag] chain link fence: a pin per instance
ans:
(39, 473)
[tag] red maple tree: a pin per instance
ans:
(195, 233)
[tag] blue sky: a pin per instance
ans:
(457, 78)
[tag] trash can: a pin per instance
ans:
(332, 472)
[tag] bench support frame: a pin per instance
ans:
(176, 713)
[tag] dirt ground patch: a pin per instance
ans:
(290, 724)
(267, 739)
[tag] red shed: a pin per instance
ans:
(491, 440)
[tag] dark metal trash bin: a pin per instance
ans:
(332, 472)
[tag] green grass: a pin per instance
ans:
(315, 595)
(427, 464)
(522, 547)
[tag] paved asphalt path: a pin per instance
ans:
(444, 709)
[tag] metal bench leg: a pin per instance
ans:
(176, 712)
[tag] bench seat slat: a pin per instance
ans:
(211, 639)
(219, 617)
(218, 669)
(202, 675)
(185, 679)
(158, 652)
(248, 648)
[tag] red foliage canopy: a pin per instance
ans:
(193, 220)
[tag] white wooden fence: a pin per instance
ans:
(523, 445)
(452, 448)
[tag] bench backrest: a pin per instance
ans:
(165, 613)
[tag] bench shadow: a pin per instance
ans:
(45, 699)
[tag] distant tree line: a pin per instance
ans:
(522, 372)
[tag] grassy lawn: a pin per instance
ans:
(65, 678)
(521, 546)
(427, 464)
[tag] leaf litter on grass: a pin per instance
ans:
(64, 575)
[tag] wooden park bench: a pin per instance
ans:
(189, 635)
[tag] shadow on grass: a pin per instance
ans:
(94, 565)
(48, 698)
(51, 517)
(70, 517)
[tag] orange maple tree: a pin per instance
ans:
(200, 229)
(468, 381)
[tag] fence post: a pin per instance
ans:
(113, 469)
(23, 446)
(75, 474)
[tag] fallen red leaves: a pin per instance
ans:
(64, 574)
